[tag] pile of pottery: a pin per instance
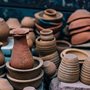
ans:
(81, 54)
(85, 73)
(49, 19)
(69, 69)
(79, 26)
(23, 69)
(46, 46)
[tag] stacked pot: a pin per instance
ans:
(85, 73)
(49, 19)
(46, 46)
(79, 26)
(69, 69)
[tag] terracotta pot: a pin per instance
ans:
(25, 74)
(49, 68)
(29, 88)
(82, 55)
(13, 23)
(62, 45)
(28, 22)
(20, 84)
(20, 60)
(49, 12)
(84, 29)
(79, 23)
(4, 32)
(69, 69)
(79, 14)
(80, 38)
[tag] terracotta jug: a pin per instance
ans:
(4, 31)
(2, 58)
(21, 56)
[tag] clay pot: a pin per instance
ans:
(84, 29)
(49, 15)
(20, 60)
(79, 14)
(28, 22)
(82, 55)
(4, 32)
(85, 72)
(20, 84)
(29, 88)
(49, 68)
(13, 23)
(80, 38)
(69, 69)
(28, 73)
(79, 23)
(62, 45)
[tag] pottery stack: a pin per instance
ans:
(23, 69)
(79, 26)
(49, 19)
(69, 69)
(46, 46)
(85, 72)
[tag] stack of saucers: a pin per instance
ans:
(49, 19)
(85, 73)
(69, 69)
(79, 26)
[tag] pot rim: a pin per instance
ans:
(2, 65)
(26, 70)
(26, 81)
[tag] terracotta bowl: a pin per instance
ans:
(62, 45)
(82, 55)
(2, 69)
(20, 84)
(79, 14)
(25, 74)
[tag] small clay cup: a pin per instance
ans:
(20, 84)
(25, 74)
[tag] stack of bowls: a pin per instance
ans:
(85, 72)
(79, 26)
(49, 19)
(69, 69)
(28, 77)
(46, 46)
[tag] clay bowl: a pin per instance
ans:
(80, 38)
(79, 14)
(20, 84)
(13, 23)
(2, 69)
(55, 29)
(62, 45)
(25, 74)
(82, 55)
(79, 23)
(84, 29)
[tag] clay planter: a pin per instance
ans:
(20, 84)
(4, 32)
(85, 72)
(69, 69)
(79, 14)
(84, 29)
(28, 22)
(20, 60)
(80, 38)
(62, 45)
(25, 74)
(49, 68)
(79, 23)
(82, 55)
(13, 23)
(49, 15)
